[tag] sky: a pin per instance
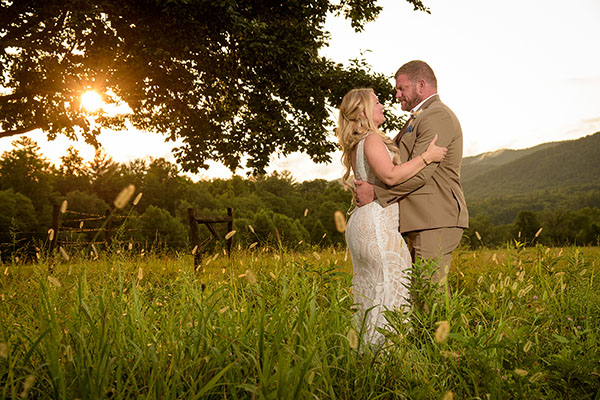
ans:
(517, 73)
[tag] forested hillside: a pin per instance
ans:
(562, 165)
(553, 186)
(482, 163)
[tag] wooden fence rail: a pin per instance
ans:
(57, 226)
(108, 229)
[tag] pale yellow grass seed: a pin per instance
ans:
(250, 276)
(3, 350)
(521, 372)
(124, 196)
(64, 253)
(27, 385)
(448, 396)
(53, 281)
(352, 338)
(442, 331)
(448, 354)
(137, 199)
(340, 221)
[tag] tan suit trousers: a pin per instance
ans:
(434, 245)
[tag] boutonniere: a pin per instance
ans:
(415, 114)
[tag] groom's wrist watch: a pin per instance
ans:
(424, 160)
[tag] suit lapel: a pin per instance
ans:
(407, 137)
(406, 125)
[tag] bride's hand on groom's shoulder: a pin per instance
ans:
(435, 153)
(364, 193)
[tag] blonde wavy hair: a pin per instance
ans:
(356, 122)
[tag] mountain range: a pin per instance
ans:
(555, 166)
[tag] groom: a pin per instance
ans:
(433, 212)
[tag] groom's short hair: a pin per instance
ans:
(416, 70)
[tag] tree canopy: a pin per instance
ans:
(228, 78)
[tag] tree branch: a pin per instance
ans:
(19, 131)
(26, 93)
(13, 96)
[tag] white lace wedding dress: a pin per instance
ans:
(380, 258)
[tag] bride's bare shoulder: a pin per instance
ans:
(373, 139)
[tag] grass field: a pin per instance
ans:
(521, 323)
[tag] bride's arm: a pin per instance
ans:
(390, 174)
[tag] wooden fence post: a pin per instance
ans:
(229, 229)
(107, 232)
(55, 218)
(194, 237)
(208, 221)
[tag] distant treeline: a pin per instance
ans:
(567, 216)
(268, 210)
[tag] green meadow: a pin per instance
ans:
(521, 322)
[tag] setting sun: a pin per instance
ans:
(91, 101)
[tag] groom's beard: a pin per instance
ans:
(409, 104)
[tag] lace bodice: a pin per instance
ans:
(380, 258)
(363, 170)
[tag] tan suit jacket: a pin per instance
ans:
(434, 197)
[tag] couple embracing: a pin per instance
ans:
(406, 188)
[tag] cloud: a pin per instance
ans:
(591, 121)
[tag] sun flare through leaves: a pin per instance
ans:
(91, 101)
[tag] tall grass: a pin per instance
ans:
(520, 323)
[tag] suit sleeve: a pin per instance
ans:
(436, 122)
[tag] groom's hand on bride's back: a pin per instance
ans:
(364, 192)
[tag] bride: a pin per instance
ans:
(380, 256)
